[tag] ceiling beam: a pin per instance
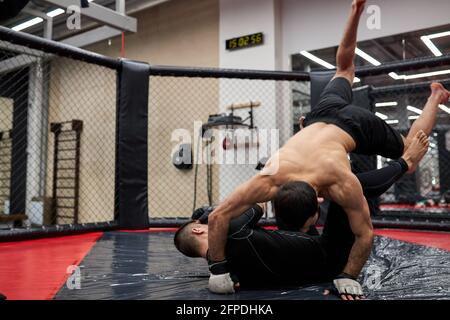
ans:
(17, 62)
(92, 36)
(101, 14)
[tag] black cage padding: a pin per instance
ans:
(319, 80)
(132, 140)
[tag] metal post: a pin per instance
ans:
(120, 6)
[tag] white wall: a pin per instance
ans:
(238, 18)
(310, 25)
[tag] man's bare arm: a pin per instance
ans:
(346, 51)
(349, 195)
(258, 189)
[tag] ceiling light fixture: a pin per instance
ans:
(427, 41)
(367, 57)
(444, 108)
(27, 24)
(55, 13)
(381, 115)
(386, 104)
(317, 60)
(322, 62)
(414, 109)
(37, 20)
(392, 121)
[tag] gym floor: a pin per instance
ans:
(146, 265)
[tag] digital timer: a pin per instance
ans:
(245, 41)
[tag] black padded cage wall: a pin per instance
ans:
(157, 142)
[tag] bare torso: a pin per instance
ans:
(313, 155)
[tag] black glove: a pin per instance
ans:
(202, 214)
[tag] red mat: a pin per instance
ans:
(440, 240)
(36, 269)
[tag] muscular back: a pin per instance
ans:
(314, 155)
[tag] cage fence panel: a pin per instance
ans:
(224, 125)
(181, 107)
(399, 99)
(61, 116)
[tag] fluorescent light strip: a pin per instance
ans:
(317, 60)
(427, 41)
(392, 121)
(37, 20)
(55, 13)
(444, 108)
(439, 35)
(28, 24)
(323, 63)
(366, 57)
(375, 62)
(413, 117)
(419, 75)
(381, 115)
(386, 104)
(414, 109)
(395, 76)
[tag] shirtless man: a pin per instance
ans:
(314, 163)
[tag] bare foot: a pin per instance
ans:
(439, 91)
(416, 150)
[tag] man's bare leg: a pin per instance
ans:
(427, 120)
(346, 52)
(417, 148)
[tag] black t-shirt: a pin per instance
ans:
(262, 257)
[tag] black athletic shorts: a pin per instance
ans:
(371, 134)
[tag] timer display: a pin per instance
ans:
(245, 41)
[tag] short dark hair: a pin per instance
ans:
(294, 203)
(185, 241)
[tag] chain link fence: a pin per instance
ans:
(224, 125)
(208, 130)
(57, 139)
(428, 188)
(399, 99)
(182, 108)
